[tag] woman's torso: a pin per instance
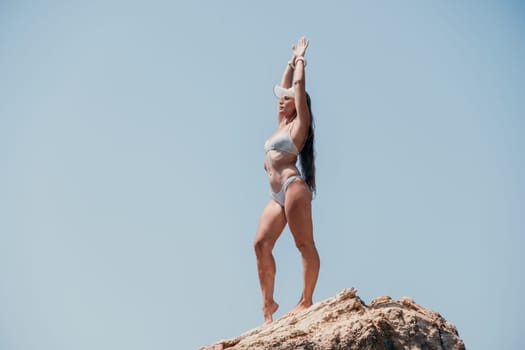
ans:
(281, 156)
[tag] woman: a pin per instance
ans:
(291, 192)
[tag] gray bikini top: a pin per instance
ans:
(281, 142)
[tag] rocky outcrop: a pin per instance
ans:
(345, 322)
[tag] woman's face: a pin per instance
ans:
(286, 106)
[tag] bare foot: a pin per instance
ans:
(301, 306)
(268, 311)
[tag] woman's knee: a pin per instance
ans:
(262, 246)
(305, 246)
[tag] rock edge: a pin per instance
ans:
(344, 321)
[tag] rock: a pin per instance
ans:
(345, 322)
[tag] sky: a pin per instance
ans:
(131, 158)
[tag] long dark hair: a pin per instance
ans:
(307, 154)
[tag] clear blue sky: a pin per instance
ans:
(131, 149)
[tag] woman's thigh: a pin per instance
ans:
(298, 209)
(271, 223)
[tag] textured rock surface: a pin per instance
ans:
(345, 322)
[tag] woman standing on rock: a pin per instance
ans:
(291, 191)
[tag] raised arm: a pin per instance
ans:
(286, 80)
(301, 105)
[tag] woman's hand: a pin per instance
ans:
(300, 49)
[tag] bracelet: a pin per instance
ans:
(291, 64)
(301, 58)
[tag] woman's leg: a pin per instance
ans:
(298, 209)
(271, 225)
